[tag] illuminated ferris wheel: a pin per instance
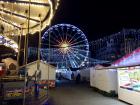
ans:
(65, 45)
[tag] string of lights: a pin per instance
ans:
(116, 45)
(13, 14)
(9, 43)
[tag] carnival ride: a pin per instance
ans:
(65, 45)
(9, 43)
(19, 18)
(15, 14)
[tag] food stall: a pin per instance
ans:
(104, 79)
(128, 68)
(129, 84)
(48, 74)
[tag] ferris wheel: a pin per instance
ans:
(65, 45)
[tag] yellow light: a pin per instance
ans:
(7, 12)
(65, 46)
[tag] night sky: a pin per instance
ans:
(99, 18)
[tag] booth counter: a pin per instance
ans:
(129, 84)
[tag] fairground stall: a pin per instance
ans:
(129, 77)
(45, 78)
(18, 20)
(104, 80)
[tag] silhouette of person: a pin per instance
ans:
(78, 78)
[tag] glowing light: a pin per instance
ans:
(65, 47)
(68, 46)
(43, 7)
(9, 43)
(51, 12)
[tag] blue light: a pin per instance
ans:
(77, 51)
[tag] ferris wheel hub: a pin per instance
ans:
(65, 47)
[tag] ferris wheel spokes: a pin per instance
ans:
(75, 55)
(73, 37)
(77, 42)
(68, 44)
(73, 62)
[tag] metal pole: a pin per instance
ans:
(38, 61)
(19, 47)
(49, 65)
(28, 31)
(25, 59)
(39, 44)
(25, 43)
(26, 49)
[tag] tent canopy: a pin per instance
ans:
(129, 59)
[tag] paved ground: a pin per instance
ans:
(78, 94)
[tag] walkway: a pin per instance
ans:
(79, 94)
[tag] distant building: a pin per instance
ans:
(115, 46)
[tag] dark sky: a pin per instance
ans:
(98, 18)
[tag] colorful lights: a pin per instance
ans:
(68, 46)
(13, 14)
(9, 43)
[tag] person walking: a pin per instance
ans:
(78, 78)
